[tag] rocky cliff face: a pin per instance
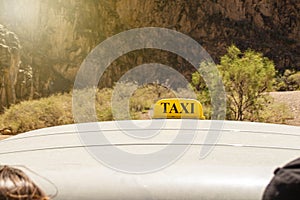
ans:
(9, 66)
(56, 35)
(270, 26)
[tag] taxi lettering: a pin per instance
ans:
(184, 108)
(176, 108)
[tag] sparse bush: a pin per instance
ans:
(30, 115)
(202, 93)
(143, 98)
(294, 81)
(289, 81)
(277, 113)
(103, 104)
(57, 109)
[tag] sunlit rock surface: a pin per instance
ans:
(9, 66)
(56, 35)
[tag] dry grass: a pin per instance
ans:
(57, 109)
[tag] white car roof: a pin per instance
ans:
(239, 166)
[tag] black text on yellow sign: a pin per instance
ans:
(178, 108)
(184, 108)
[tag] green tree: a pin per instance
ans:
(247, 77)
(201, 89)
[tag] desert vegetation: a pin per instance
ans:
(248, 78)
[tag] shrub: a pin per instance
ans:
(276, 113)
(57, 109)
(289, 81)
(35, 114)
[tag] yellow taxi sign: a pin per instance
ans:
(178, 109)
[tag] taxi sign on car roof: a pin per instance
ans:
(178, 109)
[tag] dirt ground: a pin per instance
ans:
(291, 99)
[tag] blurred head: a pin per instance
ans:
(16, 185)
(285, 184)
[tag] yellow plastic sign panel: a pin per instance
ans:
(178, 109)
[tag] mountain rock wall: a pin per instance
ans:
(9, 66)
(56, 35)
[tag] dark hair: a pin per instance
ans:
(16, 185)
(285, 184)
